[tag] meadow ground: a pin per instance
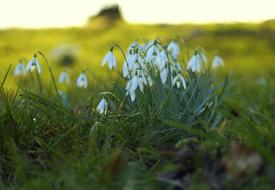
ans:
(163, 140)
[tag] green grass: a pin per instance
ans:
(162, 141)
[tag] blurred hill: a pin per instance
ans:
(106, 18)
(268, 25)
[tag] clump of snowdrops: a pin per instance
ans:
(157, 83)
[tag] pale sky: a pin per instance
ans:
(60, 13)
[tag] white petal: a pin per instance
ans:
(174, 49)
(140, 84)
(82, 80)
(133, 96)
(195, 63)
(64, 78)
(150, 81)
(191, 63)
(217, 62)
(150, 53)
(102, 107)
(131, 59)
(111, 60)
(134, 84)
(183, 82)
(19, 70)
(104, 60)
(178, 84)
(163, 76)
(33, 64)
(174, 80)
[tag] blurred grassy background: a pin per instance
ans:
(248, 49)
(248, 52)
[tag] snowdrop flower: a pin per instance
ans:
(152, 54)
(163, 75)
(63, 97)
(132, 59)
(102, 107)
(196, 63)
(129, 64)
(217, 62)
(33, 64)
(174, 49)
(110, 58)
(64, 78)
(142, 79)
(82, 80)
(145, 77)
(178, 81)
(19, 69)
(139, 80)
(162, 60)
(131, 87)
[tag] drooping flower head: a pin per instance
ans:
(217, 62)
(82, 80)
(179, 81)
(162, 60)
(153, 53)
(110, 59)
(19, 69)
(64, 78)
(102, 107)
(131, 88)
(196, 62)
(33, 64)
(174, 49)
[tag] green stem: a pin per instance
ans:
(54, 83)
(5, 77)
(120, 48)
